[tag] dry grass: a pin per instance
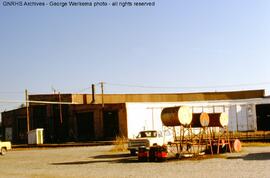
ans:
(248, 144)
(120, 144)
(52, 176)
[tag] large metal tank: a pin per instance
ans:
(176, 116)
(200, 120)
(209, 120)
(218, 119)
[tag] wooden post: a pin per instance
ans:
(102, 93)
(93, 94)
(60, 108)
(27, 111)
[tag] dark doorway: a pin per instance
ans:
(39, 119)
(263, 117)
(110, 124)
(59, 125)
(39, 116)
(85, 126)
(22, 130)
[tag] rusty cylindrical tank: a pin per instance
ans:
(176, 116)
(218, 119)
(200, 120)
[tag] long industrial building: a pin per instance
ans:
(86, 117)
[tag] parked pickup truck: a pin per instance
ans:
(4, 146)
(149, 138)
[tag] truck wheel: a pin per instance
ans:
(133, 152)
(3, 151)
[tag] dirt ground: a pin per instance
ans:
(99, 161)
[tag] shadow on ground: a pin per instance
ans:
(112, 158)
(253, 156)
(127, 158)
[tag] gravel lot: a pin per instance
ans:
(101, 162)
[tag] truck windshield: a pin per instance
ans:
(147, 134)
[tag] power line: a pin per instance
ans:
(34, 101)
(11, 92)
(187, 87)
(84, 89)
(147, 87)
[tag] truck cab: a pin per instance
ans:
(4, 147)
(148, 138)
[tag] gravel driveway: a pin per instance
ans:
(101, 162)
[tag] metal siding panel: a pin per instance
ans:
(197, 109)
(242, 117)
(232, 119)
(157, 114)
(218, 109)
(137, 119)
(251, 117)
(208, 109)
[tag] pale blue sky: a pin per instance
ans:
(177, 43)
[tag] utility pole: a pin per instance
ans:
(60, 108)
(93, 94)
(102, 93)
(27, 111)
